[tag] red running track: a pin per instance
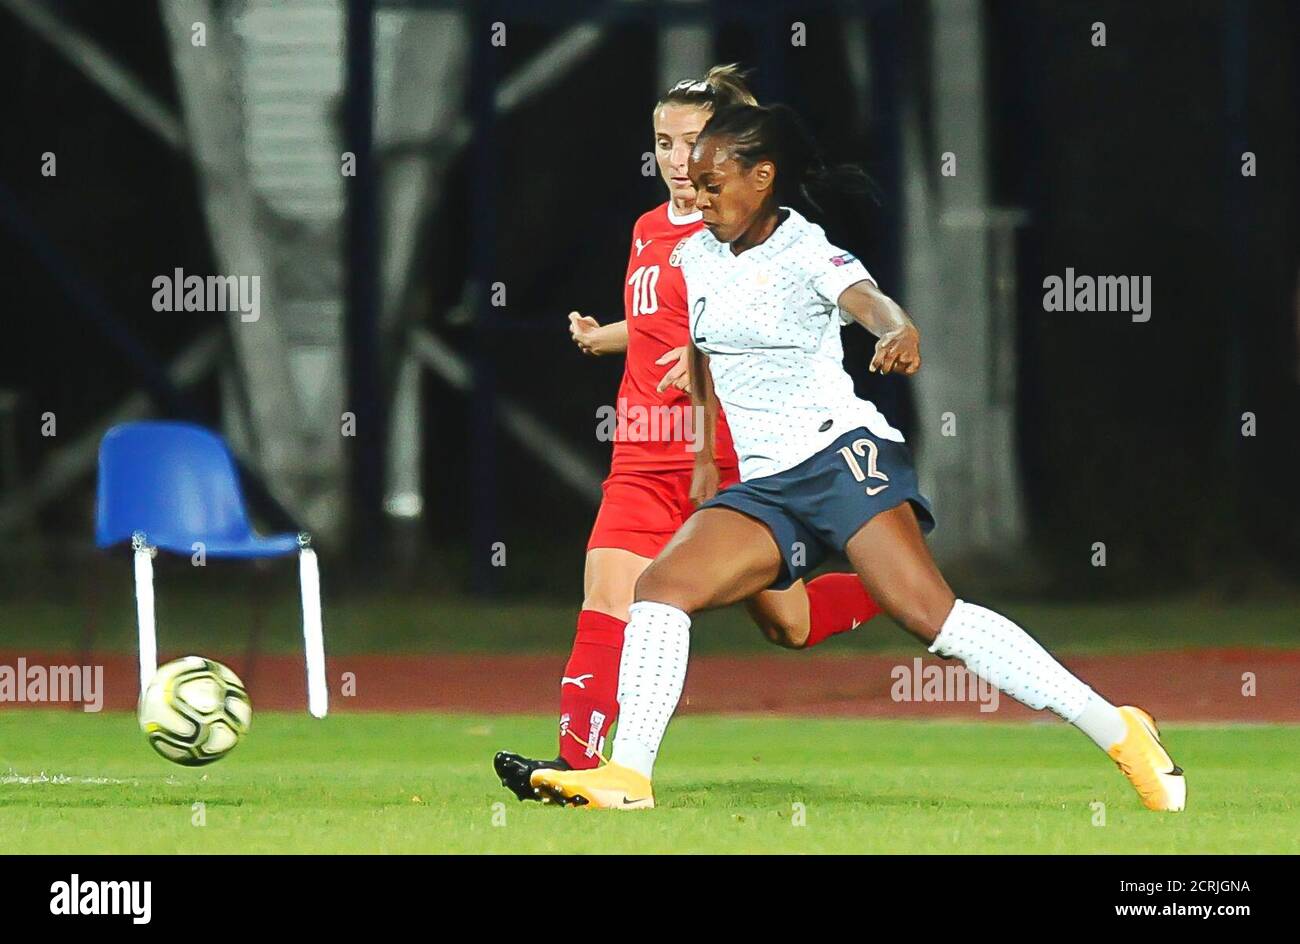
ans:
(1194, 685)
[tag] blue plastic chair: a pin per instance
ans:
(174, 487)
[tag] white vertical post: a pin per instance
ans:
(950, 279)
(144, 610)
(685, 48)
(313, 634)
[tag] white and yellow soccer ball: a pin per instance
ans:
(194, 711)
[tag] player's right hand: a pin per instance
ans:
(704, 480)
(679, 375)
(898, 351)
(585, 333)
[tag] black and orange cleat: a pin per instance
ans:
(516, 769)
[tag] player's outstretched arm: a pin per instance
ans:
(898, 345)
(596, 339)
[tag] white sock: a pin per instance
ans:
(1102, 722)
(1003, 654)
(656, 646)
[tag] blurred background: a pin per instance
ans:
(426, 188)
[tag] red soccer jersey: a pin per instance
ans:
(655, 430)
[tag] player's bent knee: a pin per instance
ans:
(786, 637)
(781, 634)
(783, 617)
(662, 586)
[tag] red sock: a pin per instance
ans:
(589, 689)
(836, 604)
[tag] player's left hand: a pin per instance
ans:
(705, 479)
(898, 351)
(679, 375)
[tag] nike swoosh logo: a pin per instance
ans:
(630, 802)
(877, 490)
(565, 680)
(641, 245)
(1174, 769)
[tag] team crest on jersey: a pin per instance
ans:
(843, 258)
(675, 260)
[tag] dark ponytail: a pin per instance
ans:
(777, 134)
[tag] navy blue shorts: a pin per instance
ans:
(814, 508)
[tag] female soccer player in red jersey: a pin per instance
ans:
(647, 495)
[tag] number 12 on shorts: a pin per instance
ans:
(868, 450)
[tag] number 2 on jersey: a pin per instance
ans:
(644, 280)
(871, 455)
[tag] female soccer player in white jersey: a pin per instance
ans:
(647, 495)
(820, 469)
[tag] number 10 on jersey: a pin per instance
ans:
(645, 301)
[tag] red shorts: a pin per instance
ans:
(642, 510)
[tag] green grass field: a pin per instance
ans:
(85, 783)
(78, 783)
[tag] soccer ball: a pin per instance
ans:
(194, 711)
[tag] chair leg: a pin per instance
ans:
(144, 613)
(256, 624)
(313, 634)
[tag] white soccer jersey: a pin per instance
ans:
(769, 321)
